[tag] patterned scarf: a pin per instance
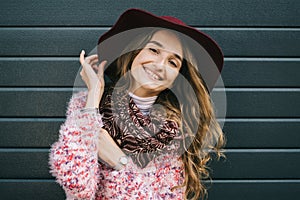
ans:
(142, 137)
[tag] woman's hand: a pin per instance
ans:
(108, 150)
(92, 75)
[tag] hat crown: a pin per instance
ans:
(173, 20)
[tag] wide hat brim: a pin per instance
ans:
(208, 54)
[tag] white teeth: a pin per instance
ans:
(154, 76)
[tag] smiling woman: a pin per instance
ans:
(148, 132)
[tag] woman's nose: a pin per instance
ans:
(159, 67)
(160, 63)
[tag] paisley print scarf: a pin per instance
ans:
(142, 137)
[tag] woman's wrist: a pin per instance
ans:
(122, 162)
(89, 109)
(93, 99)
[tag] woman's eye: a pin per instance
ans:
(173, 63)
(154, 50)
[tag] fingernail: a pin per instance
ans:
(82, 51)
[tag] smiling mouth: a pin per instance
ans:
(152, 74)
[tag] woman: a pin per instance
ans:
(146, 133)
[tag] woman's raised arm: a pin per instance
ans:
(73, 158)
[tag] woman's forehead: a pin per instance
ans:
(168, 41)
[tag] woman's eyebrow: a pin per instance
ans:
(162, 46)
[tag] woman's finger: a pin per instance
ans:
(87, 63)
(92, 59)
(81, 58)
(94, 64)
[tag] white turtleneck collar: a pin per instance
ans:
(143, 103)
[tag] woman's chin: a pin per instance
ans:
(152, 89)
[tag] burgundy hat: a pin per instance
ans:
(208, 54)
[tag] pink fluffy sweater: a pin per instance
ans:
(74, 163)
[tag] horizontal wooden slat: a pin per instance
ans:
(29, 132)
(239, 164)
(238, 72)
(261, 72)
(258, 42)
(257, 164)
(105, 12)
(47, 41)
(38, 72)
(31, 102)
(69, 41)
(246, 133)
(258, 190)
(266, 133)
(31, 189)
(24, 163)
(234, 190)
(262, 103)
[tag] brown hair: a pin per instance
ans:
(202, 136)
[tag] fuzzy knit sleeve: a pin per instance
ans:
(73, 158)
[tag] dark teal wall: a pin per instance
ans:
(39, 45)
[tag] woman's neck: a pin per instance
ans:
(143, 103)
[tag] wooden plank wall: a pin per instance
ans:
(39, 45)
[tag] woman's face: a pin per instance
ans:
(157, 65)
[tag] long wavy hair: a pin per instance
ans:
(195, 116)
